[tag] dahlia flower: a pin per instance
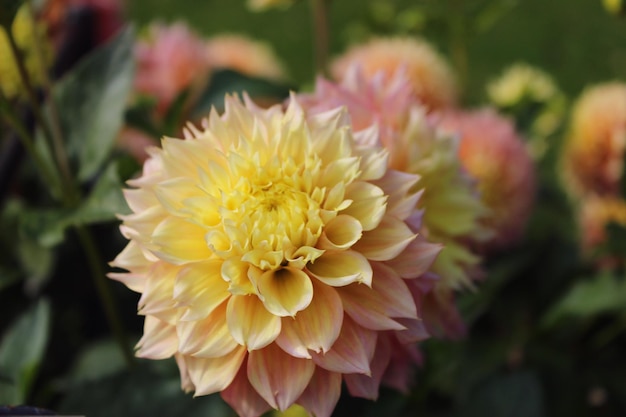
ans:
(244, 55)
(275, 255)
(593, 155)
(495, 155)
(25, 37)
(430, 75)
(595, 214)
(452, 207)
(170, 59)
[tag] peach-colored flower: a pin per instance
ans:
(431, 77)
(593, 155)
(495, 155)
(246, 56)
(276, 255)
(170, 59)
(595, 214)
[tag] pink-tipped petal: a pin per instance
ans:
(315, 328)
(193, 338)
(367, 386)
(416, 259)
(322, 394)
(159, 340)
(277, 376)
(250, 323)
(241, 395)
(351, 353)
(210, 375)
(387, 241)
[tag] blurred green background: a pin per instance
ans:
(577, 41)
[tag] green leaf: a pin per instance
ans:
(92, 100)
(604, 293)
(8, 11)
(21, 352)
(37, 262)
(515, 395)
(47, 226)
(228, 82)
(99, 360)
(150, 388)
(616, 239)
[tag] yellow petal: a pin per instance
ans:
(211, 375)
(277, 376)
(200, 288)
(157, 297)
(316, 327)
(340, 233)
(341, 268)
(179, 241)
(250, 323)
(159, 339)
(206, 338)
(368, 204)
(236, 272)
(385, 242)
(285, 291)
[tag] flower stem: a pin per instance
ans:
(54, 142)
(14, 122)
(104, 291)
(319, 9)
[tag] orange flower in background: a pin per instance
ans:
(170, 59)
(430, 75)
(244, 55)
(595, 214)
(593, 155)
(451, 204)
(494, 154)
(275, 255)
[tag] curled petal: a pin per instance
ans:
(179, 241)
(157, 298)
(200, 288)
(316, 327)
(210, 375)
(351, 353)
(340, 233)
(387, 241)
(241, 395)
(285, 291)
(341, 268)
(250, 323)
(159, 340)
(397, 186)
(369, 204)
(206, 338)
(322, 394)
(235, 272)
(277, 376)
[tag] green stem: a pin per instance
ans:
(457, 38)
(24, 135)
(54, 142)
(104, 291)
(319, 9)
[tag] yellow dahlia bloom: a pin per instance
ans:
(24, 34)
(275, 256)
(593, 155)
(596, 213)
(244, 55)
(430, 75)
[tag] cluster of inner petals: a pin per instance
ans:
(270, 250)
